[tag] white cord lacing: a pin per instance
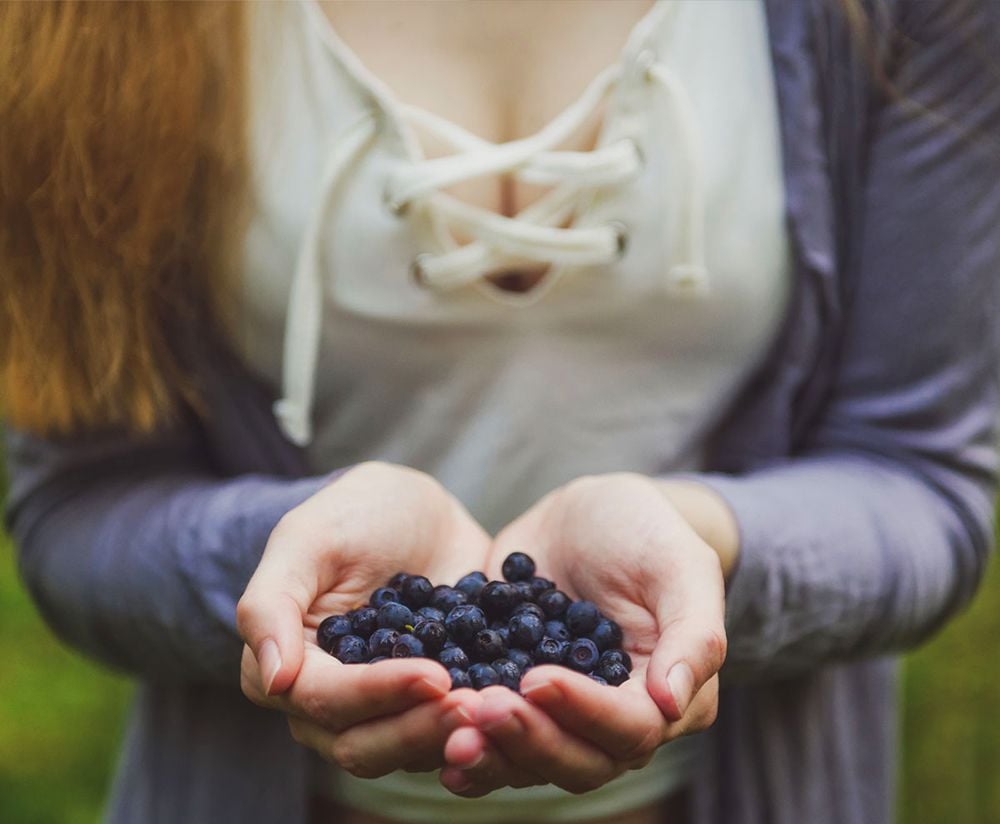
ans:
(533, 235)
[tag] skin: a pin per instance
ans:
(666, 588)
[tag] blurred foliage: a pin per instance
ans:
(61, 718)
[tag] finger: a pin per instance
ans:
(337, 696)
(533, 742)
(269, 616)
(624, 722)
(702, 712)
(376, 748)
(692, 643)
(476, 768)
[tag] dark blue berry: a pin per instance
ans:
(525, 630)
(384, 595)
(464, 623)
(394, 616)
(498, 599)
(598, 679)
(449, 644)
(582, 617)
(540, 585)
(472, 584)
(382, 642)
(351, 649)
(453, 657)
(582, 655)
(416, 591)
(483, 675)
(518, 567)
(364, 621)
(509, 672)
(557, 630)
(524, 592)
(617, 656)
(332, 628)
(447, 598)
(523, 659)
(396, 581)
(607, 634)
(614, 673)
(550, 651)
(526, 608)
(432, 635)
(487, 645)
(553, 603)
(459, 679)
(378, 658)
(408, 646)
(431, 614)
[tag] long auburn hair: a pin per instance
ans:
(122, 172)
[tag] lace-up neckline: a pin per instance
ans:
(535, 235)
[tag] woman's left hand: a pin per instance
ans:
(618, 541)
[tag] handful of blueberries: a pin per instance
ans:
(483, 632)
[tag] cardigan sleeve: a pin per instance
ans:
(136, 553)
(878, 529)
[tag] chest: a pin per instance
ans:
(500, 69)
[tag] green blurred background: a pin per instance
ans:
(61, 717)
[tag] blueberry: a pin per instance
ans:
(498, 599)
(432, 635)
(504, 634)
(378, 658)
(472, 584)
(396, 581)
(383, 595)
(487, 645)
(453, 658)
(394, 616)
(459, 678)
(523, 659)
(431, 614)
(614, 673)
(598, 679)
(416, 591)
(518, 567)
(582, 617)
(509, 672)
(557, 630)
(464, 622)
(447, 598)
(351, 650)
(524, 591)
(332, 628)
(364, 621)
(449, 644)
(553, 603)
(483, 675)
(617, 656)
(607, 634)
(382, 642)
(550, 651)
(525, 630)
(408, 646)
(526, 608)
(582, 655)
(540, 585)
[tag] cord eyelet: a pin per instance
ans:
(417, 274)
(621, 238)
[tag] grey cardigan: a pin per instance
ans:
(860, 463)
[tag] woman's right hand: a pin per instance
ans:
(324, 558)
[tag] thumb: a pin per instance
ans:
(692, 644)
(269, 617)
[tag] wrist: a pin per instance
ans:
(709, 516)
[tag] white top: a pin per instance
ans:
(663, 294)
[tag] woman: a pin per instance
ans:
(747, 340)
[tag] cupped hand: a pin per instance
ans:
(618, 541)
(325, 557)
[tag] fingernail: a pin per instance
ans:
(544, 692)
(425, 688)
(459, 784)
(491, 720)
(680, 682)
(269, 661)
(475, 762)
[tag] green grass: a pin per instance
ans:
(61, 717)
